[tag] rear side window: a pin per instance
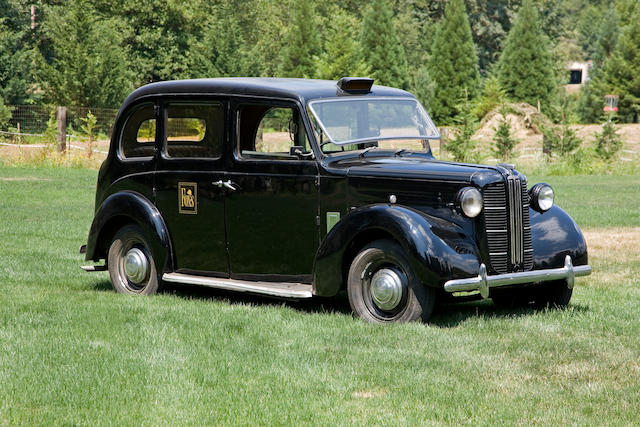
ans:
(195, 130)
(139, 133)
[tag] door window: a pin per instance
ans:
(272, 132)
(195, 130)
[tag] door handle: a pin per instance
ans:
(227, 184)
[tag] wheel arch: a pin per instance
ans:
(431, 258)
(128, 207)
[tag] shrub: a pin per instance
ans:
(560, 140)
(461, 147)
(504, 141)
(608, 142)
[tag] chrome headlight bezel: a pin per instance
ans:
(541, 197)
(470, 201)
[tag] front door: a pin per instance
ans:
(272, 224)
(188, 180)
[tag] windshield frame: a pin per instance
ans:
(330, 139)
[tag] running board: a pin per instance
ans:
(278, 289)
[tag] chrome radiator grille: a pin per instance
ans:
(507, 225)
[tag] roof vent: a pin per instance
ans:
(355, 84)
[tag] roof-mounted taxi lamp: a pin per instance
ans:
(355, 84)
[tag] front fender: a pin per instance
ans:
(129, 207)
(554, 235)
(432, 259)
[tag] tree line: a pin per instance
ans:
(453, 54)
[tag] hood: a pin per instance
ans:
(419, 167)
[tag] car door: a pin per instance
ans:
(272, 213)
(189, 190)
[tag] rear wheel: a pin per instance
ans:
(131, 266)
(383, 288)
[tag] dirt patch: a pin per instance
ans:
(525, 122)
(613, 253)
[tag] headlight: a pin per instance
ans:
(541, 196)
(470, 201)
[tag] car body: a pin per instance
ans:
(285, 187)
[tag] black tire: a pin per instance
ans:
(384, 257)
(555, 294)
(131, 240)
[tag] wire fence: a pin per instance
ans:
(37, 124)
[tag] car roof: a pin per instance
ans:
(302, 90)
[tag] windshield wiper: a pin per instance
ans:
(399, 152)
(363, 152)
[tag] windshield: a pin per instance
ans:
(343, 124)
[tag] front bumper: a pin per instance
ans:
(483, 282)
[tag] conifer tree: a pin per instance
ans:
(382, 51)
(341, 55)
(453, 64)
(526, 68)
(302, 43)
(619, 74)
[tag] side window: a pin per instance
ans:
(139, 133)
(272, 132)
(195, 130)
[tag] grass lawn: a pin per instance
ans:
(72, 351)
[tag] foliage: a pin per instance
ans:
(423, 87)
(381, 48)
(461, 147)
(491, 97)
(302, 42)
(559, 140)
(619, 74)
(526, 69)
(341, 55)
(608, 142)
(88, 128)
(503, 140)
(5, 114)
(90, 66)
(16, 66)
(453, 64)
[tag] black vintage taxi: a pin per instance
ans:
(298, 188)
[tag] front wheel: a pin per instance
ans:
(383, 288)
(555, 294)
(131, 266)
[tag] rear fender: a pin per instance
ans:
(127, 207)
(432, 259)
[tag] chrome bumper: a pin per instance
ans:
(483, 282)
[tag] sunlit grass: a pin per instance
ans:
(74, 352)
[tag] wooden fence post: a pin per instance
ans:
(62, 128)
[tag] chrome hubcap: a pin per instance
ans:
(136, 265)
(386, 289)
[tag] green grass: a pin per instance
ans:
(74, 352)
(597, 201)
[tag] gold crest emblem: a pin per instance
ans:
(188, 198)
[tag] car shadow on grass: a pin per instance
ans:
(453, 314)
(445, 315)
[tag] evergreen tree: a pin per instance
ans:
(608, 142)
(302, 43)
(222, 52)
(89, 66)
(382, 51)
(619, 74)
(341, 55)
(453, 64)
(526, 69)
(16, 64)
(503, 140)
(462, 146)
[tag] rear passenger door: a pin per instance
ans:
(191, 163)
